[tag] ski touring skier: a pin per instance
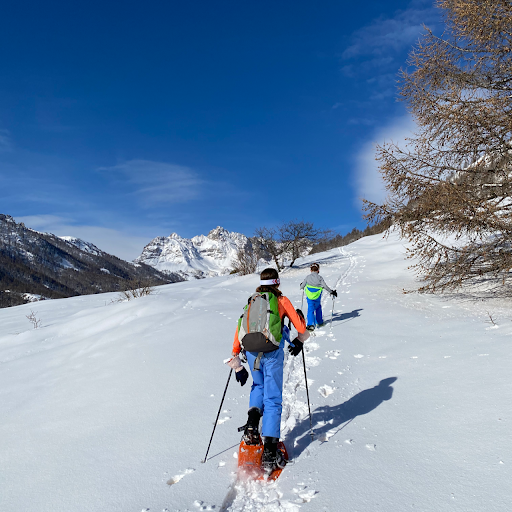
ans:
(261, 335)
(313, 286)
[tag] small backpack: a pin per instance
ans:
(259, 328)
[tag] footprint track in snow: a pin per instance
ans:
(326, 390)
(305, 495)
(175, 479)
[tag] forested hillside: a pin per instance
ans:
(46, 266)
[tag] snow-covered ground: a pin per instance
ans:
(110, 406)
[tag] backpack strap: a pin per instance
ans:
(257, 362)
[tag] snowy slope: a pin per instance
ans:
(107, 404)
(82, 244)
(200, 256)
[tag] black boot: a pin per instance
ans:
(272, 457)
(252, 432)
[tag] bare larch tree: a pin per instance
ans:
(298, 237)
(245, 262)
(289, 240)
(449, 188)
(269, 239)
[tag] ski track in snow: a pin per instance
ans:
(259, 495)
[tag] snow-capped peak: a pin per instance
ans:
(82, 244)
(219, 233)
(200, 256)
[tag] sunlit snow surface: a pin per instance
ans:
(110, 406)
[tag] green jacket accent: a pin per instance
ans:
(312, 293)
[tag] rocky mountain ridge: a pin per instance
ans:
(197, 257)
(41, 265)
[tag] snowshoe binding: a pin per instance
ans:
(272, 459)
(251, 431)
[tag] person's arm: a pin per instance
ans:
(322, 283)
(286, 309)
(241, 373)
(303, 284)
(236, 344)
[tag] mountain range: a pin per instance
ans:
(36, 265)
(197, 257)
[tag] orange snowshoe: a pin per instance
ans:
(249, 461)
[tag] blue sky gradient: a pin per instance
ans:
(123, 121)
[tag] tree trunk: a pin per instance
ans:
(276, 259)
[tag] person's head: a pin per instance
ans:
(315, 267)
(269, 282)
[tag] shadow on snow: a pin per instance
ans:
(340, 317)
(341, 414)
(323, 261)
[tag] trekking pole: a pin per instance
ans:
(302, 301)
(332, 312)
(307, 393)
(218, 414)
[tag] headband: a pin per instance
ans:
(269, 282)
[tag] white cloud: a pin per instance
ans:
(376, 51)
(159, 182)
(119, 243)
(367, 178)
(383, 35)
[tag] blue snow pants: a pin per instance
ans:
(267, 387)
(315, 311)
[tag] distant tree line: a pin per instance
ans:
(292, 240)
(341, 240)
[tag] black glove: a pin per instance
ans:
(300, 313)
(297, 349)
(242, 376)
(334, 293)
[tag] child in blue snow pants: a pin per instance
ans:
(315, 311)
(266, 399)
(313, 286)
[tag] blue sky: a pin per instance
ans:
(120, 122)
